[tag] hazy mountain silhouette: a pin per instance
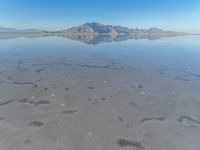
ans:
(13, 30)
(97, 28)
(94, 33)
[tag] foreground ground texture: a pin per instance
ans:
(52, 101)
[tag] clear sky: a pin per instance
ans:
(178, 15)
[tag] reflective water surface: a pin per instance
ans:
(57, 93)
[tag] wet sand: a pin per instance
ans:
(62, 98)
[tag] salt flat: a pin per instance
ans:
(58, 94)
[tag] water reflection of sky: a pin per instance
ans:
(177, 50)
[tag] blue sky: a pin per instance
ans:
(179, 15)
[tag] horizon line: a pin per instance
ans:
(62, 28)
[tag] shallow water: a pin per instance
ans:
(58, 94)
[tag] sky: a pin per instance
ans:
(177, 15)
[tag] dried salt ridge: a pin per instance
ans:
(31, 101)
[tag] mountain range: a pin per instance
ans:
(90, 31)
(97, 28)
(12, 30)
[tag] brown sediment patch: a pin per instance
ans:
(127, 126)
(45, 89)
(43, 64)
(20, 62)
(153, 119)
(161, 73)
(35, 124)
(26, 83)
(2, 118)
(125, 142)
(39, 80)
(7, 102)
(41, 69)
(138, 86)
(2, 82)
(196, 75)
(120, 119)
(182, 118)
(67, 89)
(36, 103)
(69, 111)
(27, 141)
(23, 100)
(40, 102)
(103, 99)
(2, 72)
(91, 87)
(21, 68)
(88, 66)
(181, 79)
(132, 104)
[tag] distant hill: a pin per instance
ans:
(97, 28)
(93, 33)
(2, 29)
(12, 30)
(100, 29)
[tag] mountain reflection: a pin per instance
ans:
(90, 39)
